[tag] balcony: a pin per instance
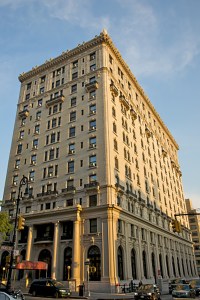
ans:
(114, 89)
(43, 239)
(48, 194)
(92, 185)
(91, 86)
(133, 114)
(24, 113)
(69, 190)
(123, 100)
(55, 100)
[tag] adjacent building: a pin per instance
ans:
(104, 177)
(194, 223)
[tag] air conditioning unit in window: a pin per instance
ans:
(37, 132)
(31, 179)
(93, 112)
(15, 183)
(93, 128)
(16, 167)
(33, 162)
(92, 164)
(75, 65)
(92, 145)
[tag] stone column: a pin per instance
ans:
(140, 261)
(76, 247)
(29, 242)
(54, 270)
(148, 252)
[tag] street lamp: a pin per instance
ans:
(23, 181)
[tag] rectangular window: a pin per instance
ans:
(42, 79)
(69, 202)
(75, 75)
(41, 90)
(92, 125)
(72, 131)
(74, 88)
(72, 116)
(93, 67)
(92, 161)
(28, 86)
(19, 149)
(37, 129)
(93, 200)
(75, 64)
(73, 101)
(92, 56)
(92, 142)
(71, 167)
(93, 225)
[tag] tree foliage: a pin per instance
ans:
(5, 225)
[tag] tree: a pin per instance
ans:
(5, 225)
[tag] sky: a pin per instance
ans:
(158, 39)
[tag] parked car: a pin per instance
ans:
(48, 287)
(183, 291)
(173, 283)
(16, 294)
(195, 284)
(5, 296)
(148, 291)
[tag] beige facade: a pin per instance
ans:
(103, 172)
(194, 223)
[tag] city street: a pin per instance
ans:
(95, 296)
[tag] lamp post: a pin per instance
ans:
(23, 181)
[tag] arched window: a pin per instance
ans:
(67, 265)
(133, 264)
(144, 261)
(153, 265)
(45, 256)
(120, 263)
(94, 256)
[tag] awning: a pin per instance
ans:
(32, 265)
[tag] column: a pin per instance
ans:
(54, 269)
(148, 253)
(76, 247)
(29, 242)
(140, 260)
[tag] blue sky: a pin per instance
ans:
(158, 39)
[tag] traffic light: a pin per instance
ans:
(21, 223)
(176, 226)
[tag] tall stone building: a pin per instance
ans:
(104, 177)
(194, 223)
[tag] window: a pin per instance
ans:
(32, 175)
(92, 56)
(72, 116)
(74, 88)
(19, 149)
(41, 90)
(75, 75)
(93, 200)
(72, 131)
(71, 167)
(110, 59)
(115, 144)
(92, 79)
(92, 125)
(27, 96)
(42, 79)
(51, 154)
(28, 86)
(73, 101)
(35, 144)
(93, 109)
(114, 128)
(15, 179)
(92, 95)
(17, 163)
(57, 83)
(37, 129)
(93, 225)
(119, 226)
(92, 161)
(92, 142)
(92, 178)
(71, 148)
(38, 115)
(21, 134)
(23, 121)
(40, 102)
(75, 64)
(93, 67)
(33, 159)
(69, 202)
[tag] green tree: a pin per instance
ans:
(5, 225)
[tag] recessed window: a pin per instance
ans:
(73, 101)
(75, 75)
(92, 125)
(72, 131)
(74, 88)
(92, 56)
(19, 149)
(93, 225)
(70, 167)
(93, 200)
(72, 116)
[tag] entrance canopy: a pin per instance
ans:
(32, 265)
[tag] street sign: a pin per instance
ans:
(7, 248)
